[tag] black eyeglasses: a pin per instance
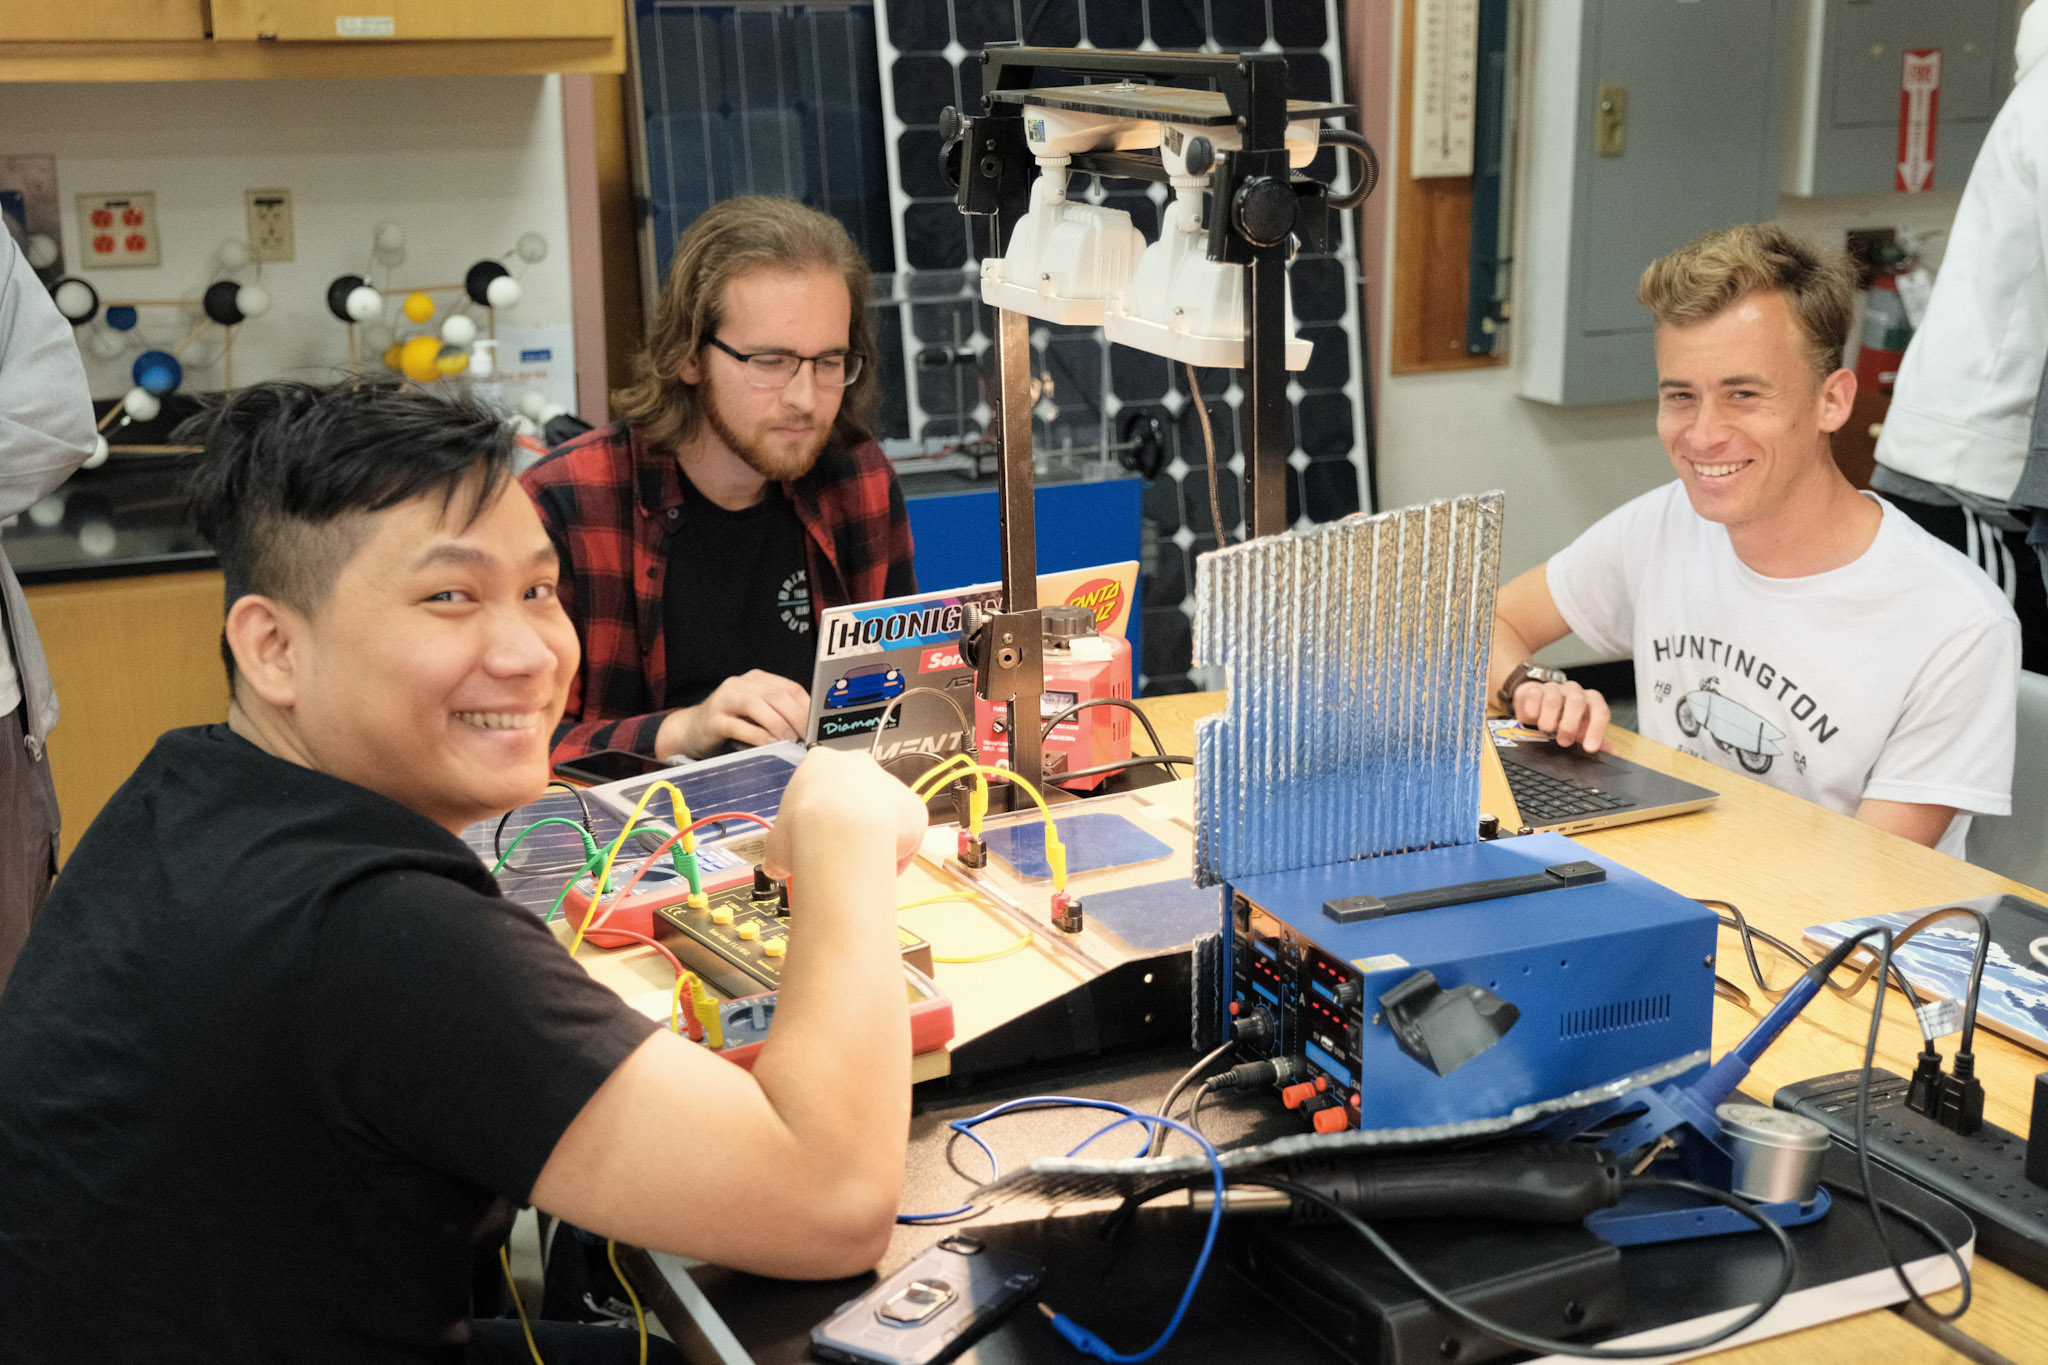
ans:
(774, 369)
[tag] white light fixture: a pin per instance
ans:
(1181, 304)
(1066, 261)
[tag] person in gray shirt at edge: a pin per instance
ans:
(46, 432)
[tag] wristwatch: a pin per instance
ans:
(1526, 671)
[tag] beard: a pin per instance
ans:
(764, 453)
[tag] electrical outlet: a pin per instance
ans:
(118, 229)
(270, 224)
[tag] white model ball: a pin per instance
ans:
(74, 300)
(97, 538)
(50, 511)
(532, 247)
(41, 250)
(233, 255)
(253, 300)
(376, 338)
(142, 405)
(363, 303)
(390, 237)
(458, 329)
(98, 457)
(503, 292)
(106, 343)
(532, 402)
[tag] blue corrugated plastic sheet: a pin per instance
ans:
(1355, 654)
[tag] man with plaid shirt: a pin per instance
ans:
(739, 489)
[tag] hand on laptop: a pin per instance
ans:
(1571, 714)
(755, 707)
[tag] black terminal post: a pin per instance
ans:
(1257, 209)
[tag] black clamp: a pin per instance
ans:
(1444, 1029)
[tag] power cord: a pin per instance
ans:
(1173, 1093)
(1868, 1194)
(1158, 749)
(1954, 1101)
(1134, 761)
(1788, 1259)
(1076, 1335)
(896, 702)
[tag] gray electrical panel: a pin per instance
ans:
(1859, 66)
(1652, 121)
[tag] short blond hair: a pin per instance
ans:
(1705, 276)
(728, 240)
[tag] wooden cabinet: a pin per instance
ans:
(169, 40)
(132, 658)
(413, 20)
(56, 21)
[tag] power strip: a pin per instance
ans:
(1984, 1174)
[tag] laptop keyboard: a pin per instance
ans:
(1544, 799)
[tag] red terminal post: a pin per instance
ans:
(1335, 1119)
(971, 850)
(1293, 1096)
(1066, 913)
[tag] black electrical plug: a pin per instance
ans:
(1923, 1090)
(1249, 1075)
(1959, 1103)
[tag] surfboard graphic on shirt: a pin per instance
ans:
(1732, 726)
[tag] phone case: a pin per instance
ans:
(931, 1309)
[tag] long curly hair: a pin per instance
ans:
(744, 234)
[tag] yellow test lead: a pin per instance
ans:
(707, 1013)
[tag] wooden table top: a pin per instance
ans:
(1789, 864)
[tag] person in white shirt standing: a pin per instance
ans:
(1955, 439)
(1781, 623)
(45, 433)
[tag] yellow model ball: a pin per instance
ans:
(417, 359)
(392, 356)
(418, 307)
(451, 361)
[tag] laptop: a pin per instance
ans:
(1569, 791)
(880, 661)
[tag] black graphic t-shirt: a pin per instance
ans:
(737, 596)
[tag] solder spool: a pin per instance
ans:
(1777, 1154)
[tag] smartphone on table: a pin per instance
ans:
(932, 1309)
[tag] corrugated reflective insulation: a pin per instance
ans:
(1355, 656)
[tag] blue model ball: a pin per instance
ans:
(121, 318)
(159, 372)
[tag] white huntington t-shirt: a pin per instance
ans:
(1892, 677)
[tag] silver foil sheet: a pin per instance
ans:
(1355, 656)
(1064, 1179)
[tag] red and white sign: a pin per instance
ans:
(1919, 107)
(940, 658)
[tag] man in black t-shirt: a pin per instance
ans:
(739, 491)
(277, 1059)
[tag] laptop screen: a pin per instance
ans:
(878, 652)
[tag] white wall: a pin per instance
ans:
(465, 165)
(1562, 467)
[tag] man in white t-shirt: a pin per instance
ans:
(1782, 623)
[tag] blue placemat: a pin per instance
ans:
(1159, 915)
(1095, 841)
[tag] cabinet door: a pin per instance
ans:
(57, 21)
(416, 19)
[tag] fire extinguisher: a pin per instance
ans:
(1886, 330)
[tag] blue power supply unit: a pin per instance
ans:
(1568, 988)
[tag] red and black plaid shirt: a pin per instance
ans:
(608, 501)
